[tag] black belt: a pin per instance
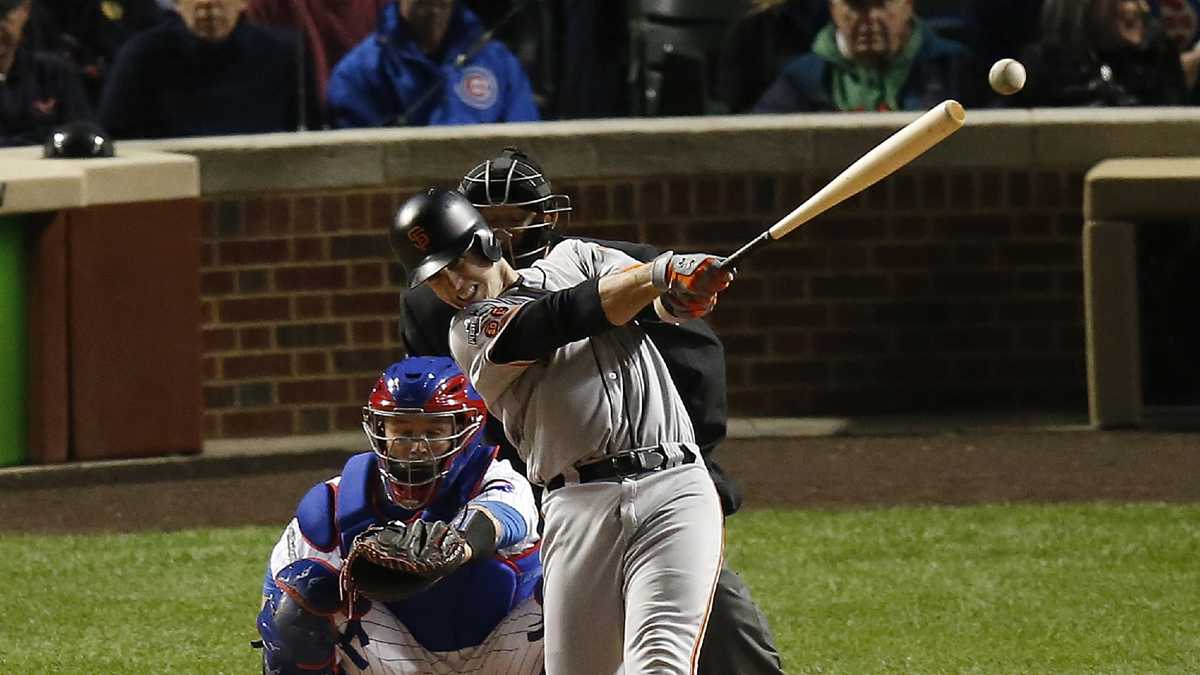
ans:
(626, 464)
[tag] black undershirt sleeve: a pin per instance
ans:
(551, 321)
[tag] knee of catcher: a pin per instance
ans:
(299, 634)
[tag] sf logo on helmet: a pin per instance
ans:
(419, 237)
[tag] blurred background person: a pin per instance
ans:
(595, 58)
(88, 33)
(1180, 20)
(203, 72)
(758, 46)
(994, 30)
(429, 63)
(38, 90)
(875, 55)
(1101, 53)
(330, 30)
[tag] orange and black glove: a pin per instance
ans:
(690, 282)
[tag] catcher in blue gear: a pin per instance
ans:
(421, 556)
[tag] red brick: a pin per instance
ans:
(1034, 338)
(977, 283)
(335, 211)
(208, 367)
(348, 418)
(208, 255)
(208, 219)
(975, 255)
(212, 425)
(962, 190)
(216, 283)
(623, 201)
(259, 423)
(851, 342)
(254, 217)
(795, 314)
(372, 361)
(279, 215)
(310, 278)
(850, 286)
(312, 306)
(745, 289)
(736, 197)
(218, 397)
(595, 203)
(908, 313)
(361, 304)
(1049, 188)
(312, 363)
(783, 257)
(357, 211)
(763, 190)
(787, 372)
(367, 275)
(894, 257)
(219, 340)
(1038, 253)
(847, 257)
(973, 227)
(913, 342)
(652, 200)
(856, 371)
(745, 344)
(835, 228)
(913, 371)
(311, 335)
(253, 252)
(308, 249)
(314, 421)
(973, 339)
(368, 332)
(679, 197)
(856, 314)
(913, 285)
(991, 189)
(665, 236)
(262, 365)
(256, 337)
(314, 391)
(790, 343)
(750, 402)
(971, 312)
(974, 369)
(381, 212)
(904, 191)
(254, 309)
(933, 190)
(1036, 225)
(1019, 189)
(726, 234)
(1037, 310)
(305, 216)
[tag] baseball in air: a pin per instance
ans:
(1007, 76)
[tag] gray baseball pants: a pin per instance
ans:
(630, 569)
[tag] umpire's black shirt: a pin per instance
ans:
(692, 351)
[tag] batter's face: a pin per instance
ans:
(873, 30)
(469, 279)
(211, 20)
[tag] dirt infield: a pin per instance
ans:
(826, 472)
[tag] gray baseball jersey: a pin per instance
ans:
(593, 397)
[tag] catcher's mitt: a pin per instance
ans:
(393, 561)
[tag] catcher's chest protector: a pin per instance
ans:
(459, 611)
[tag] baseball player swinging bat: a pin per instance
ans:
(899, 149)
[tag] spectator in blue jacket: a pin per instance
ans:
(875, 55)
(427, 64)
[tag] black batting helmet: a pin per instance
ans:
(433, 229)
(516, 179)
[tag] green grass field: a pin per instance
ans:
(995, 589)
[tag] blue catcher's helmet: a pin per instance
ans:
(421, 415)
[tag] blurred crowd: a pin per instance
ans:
(171, 68)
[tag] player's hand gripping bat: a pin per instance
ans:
(899, 149)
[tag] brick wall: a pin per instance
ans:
(936, 290)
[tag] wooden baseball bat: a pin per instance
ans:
(899, 149)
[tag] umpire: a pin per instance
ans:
(518, 202)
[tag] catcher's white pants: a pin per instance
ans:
(630, 567)
(513, 648)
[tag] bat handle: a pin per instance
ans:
(750, 246)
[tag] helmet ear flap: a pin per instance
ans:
(488, 244)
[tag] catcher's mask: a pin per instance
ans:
(422, 413)
(514, 179)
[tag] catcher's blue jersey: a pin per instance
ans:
(460, 610)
